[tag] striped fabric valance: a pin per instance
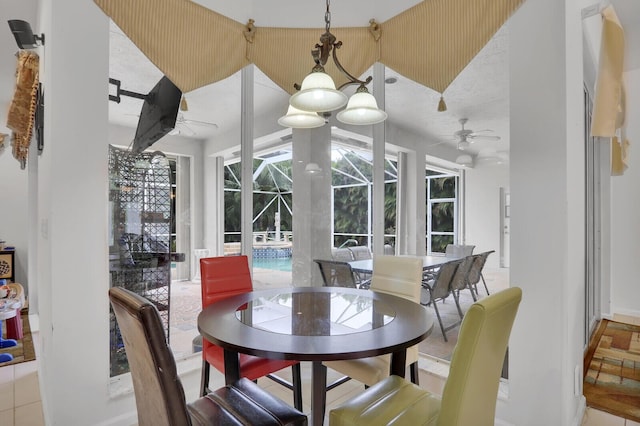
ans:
(430, 43)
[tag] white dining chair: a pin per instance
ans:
(399, 276)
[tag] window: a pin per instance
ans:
(442, 218)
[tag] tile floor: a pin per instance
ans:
(20, 402)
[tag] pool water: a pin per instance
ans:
(275, 264)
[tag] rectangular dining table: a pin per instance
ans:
(314, 324)
(428, 263)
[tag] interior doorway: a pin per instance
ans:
(593, 225)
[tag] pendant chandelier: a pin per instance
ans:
(318, 94)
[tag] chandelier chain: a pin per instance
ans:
(327, 17)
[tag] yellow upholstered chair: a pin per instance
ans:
(400, 276)
(470, 393)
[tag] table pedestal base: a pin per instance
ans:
(318, 392)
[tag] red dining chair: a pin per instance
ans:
(223, 277)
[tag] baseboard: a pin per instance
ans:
(627, 312)
(582, 407)
(433, 365)
(34, 323)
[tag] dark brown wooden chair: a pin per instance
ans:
(160, 397)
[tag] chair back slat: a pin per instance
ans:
(360, 252)
(441, 287)
(459, 250)
(460, 278)
(480, 260)
(342, 254)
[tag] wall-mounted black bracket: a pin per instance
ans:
(121, 92)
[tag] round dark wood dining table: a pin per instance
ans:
(314, 324)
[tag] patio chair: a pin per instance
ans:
(361, 253)
(159, 395)
(475, 274)
(459, 250)
(342, 254)
(460, 281)
(439, 289)
(470, 393)
(336, 274)
(226, 276)
(399, 276)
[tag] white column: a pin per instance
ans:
(311, 204)
(379, 139)
(547, 213)
(402, 206)
(411, 205)
(246, 156)
(73, 274)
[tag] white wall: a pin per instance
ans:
(13, 180)
(13, 208)
(482, 209)
(625, 211)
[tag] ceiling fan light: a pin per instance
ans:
(490, 156)
(298, 119)
(362, 109)
(465, 160)
(462, 145)
(318, 94)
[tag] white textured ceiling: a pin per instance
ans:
(479, 93)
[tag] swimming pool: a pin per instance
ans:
(274, 264)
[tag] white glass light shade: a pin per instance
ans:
(299, 119)
(465, 160)
(318, 94)
(312, 169)
(463, 144)
(362, 109)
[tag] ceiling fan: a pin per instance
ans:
(465, 137)
(183, 125)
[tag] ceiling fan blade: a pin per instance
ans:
(441, 142)
(200, 123)
(484, 138)
(186, 130)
